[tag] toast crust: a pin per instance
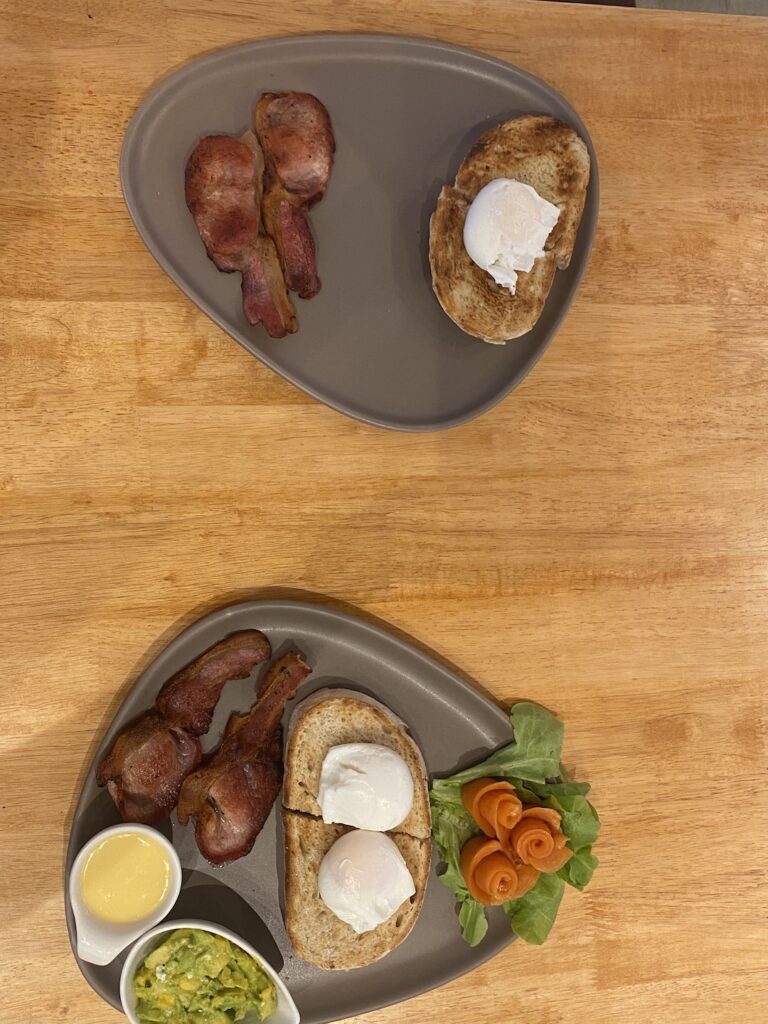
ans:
(323, 720)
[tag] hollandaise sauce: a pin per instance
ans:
(125, 878)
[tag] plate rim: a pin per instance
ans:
(156, 91)
(323, 612)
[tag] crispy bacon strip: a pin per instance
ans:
(286, 222)
(295, 133)
(146, 766)
(223, 189)
(232, 794)
(189, 698)
(148, 762)
(265, 298)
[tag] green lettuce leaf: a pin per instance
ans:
(580, 868)
(526, 794)
(533, 915)
(534, 755)
(580, 821)
(474, 923)
(451, 829)
(559, 788)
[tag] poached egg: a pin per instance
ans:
(363, 879)
(366, 785)
(506, 228)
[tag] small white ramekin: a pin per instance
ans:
(99, 941)
(285, 1012)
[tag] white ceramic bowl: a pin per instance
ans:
(285, 1013)
(98, 941)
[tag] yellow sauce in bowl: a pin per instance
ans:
(125, 878)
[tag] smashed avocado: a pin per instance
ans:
(196, 977)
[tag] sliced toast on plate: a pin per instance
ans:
(541, 152)
(326, 719)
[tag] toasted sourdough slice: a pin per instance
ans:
(317, 935)
(541, 152)
(329, 717)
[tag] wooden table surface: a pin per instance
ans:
(598, 542)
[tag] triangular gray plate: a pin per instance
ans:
(374, 344)
(452, 723)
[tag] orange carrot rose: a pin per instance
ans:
(538, 840)
(491, 876)
(493, 804)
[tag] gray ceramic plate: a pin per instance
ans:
(374, 344)
(450, 720)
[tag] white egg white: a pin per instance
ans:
(365, 785)
(506, 228)
(363, 879)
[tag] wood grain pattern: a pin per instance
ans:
(597, 542)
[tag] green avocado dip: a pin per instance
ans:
(196, 977)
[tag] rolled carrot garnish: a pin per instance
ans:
(493, 804)
(527, 877)
(538, 841)
(489, 873)
(491, 876)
